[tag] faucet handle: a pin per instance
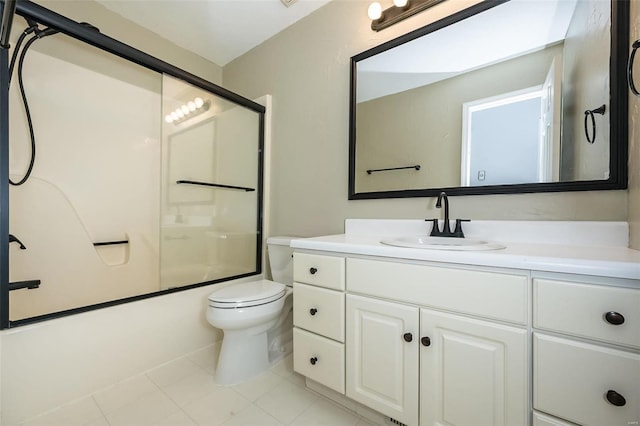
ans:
(435, 229)
(458, 231)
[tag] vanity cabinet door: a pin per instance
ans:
(472, 372)
(382, 357)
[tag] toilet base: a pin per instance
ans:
(242, 356)
(245, 353)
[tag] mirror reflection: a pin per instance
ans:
(493, 99)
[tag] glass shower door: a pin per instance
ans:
(210, 187)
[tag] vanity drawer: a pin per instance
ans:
(318, 358)
(571, 380)
(486, 294)
(323, 271)
(319, 310)
(583, 309)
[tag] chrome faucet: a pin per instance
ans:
(446, 230)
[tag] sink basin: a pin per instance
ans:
(442, 243)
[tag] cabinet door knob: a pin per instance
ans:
(313, 311)
(425, 341)
(408, 337)
(313, 360)
(614, 318)
(615, 398)
(312, 271)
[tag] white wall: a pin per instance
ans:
(97, 164)
(306, 69)
(53, 362)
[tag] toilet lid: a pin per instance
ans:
(247, 294)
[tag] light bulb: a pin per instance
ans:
(400, 3)
(175, 116)
(192, 106)
(375, 11)
(199, 102)
(180, 113)
(185, 109)
(168, 118)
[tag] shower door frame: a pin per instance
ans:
(44, 16)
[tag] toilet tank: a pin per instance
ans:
(281, 259)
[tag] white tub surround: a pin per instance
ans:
(544, 331)
(589, 248)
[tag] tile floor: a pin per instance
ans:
(184, 393)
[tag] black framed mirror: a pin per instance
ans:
(487, 102)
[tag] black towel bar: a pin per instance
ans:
(215, 185)
(110, 243)
(31, 284)
(417, 167)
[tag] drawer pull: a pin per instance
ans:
(313, 311)
(315, 359)
(408, 337)
(313, 271)
(425, 341)
(614, 318)
(615, 398)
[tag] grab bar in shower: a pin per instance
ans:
(417, 167)
(110, 243)
(31, 284)
(215, 185)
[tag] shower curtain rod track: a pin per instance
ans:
(28, 9)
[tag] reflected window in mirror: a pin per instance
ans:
(485, 101)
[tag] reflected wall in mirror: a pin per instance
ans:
(488, 101)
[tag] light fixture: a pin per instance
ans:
(375, 11)
(401, 9)
(187, 111)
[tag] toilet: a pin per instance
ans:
(256, 318)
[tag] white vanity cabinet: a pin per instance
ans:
(418, 364)
(431, 343)
(318, 318)
(586, 366)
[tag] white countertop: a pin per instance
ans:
(606, 259)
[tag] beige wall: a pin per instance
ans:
(634, 140)
(306, 69)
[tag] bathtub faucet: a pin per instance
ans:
(13, 239)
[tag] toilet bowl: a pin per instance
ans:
(255, 317)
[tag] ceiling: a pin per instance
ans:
(218, 30)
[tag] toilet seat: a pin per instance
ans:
(248, 294)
